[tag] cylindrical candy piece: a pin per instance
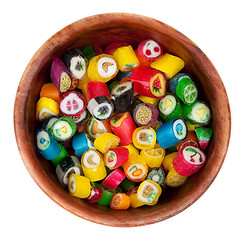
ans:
(157, 175)
(126, 185)
(48, 123)
(63, 128)
(183, 86)
(72, 103)
(102, 68)
(172, 132)
(49, 90)
(45, 108)
(149, 192)
(101, 107)
(169, 107)
(145, 99)
(47, 146)
(96, 89)
(122, 96)
(189, 160)
(91, 51)
(60, 76)
(106, 196)
(115, 157)
(134, 201)
(191, 139)
(114, 179)
(96, 195)
(82, 118)
(120, 201)
(143, 61)
(132, 149)
(149, 49)
(135, 168)
(123, 126)
(106, 141)
(95, 127)
(68, 165)
(81, 143)
(169, 64)
(145, 114)
(149, 82)
(197, 113)
(79, 186)
(203, 136)
(93, 166)
(64, 153)
(144, 137)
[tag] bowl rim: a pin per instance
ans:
(21, 101)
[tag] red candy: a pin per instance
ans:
(150, 50)
(96, 89)
(114, 179)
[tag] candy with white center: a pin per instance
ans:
(48, 123)
(68, 165)
(63, 128)
(171, 133)
(189, 160)
(122, 96)
(157, 175)
(60, 75)
(75, 62)
(82, 118)
(72, 103)
(149, 49)
(101, 108)
(47, 146)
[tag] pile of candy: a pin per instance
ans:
(121, 124)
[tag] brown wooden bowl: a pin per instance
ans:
(101, 30)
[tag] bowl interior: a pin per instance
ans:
(101, 30)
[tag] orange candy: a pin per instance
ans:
(120, 201)
(50, 91)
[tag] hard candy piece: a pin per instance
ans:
(157, 175)
(91, 51)
(96, 195)
(106, 196)
(114, 179)
(120, 201)
(204, 135)
(96, 89)
(191, 139)
(134, 201)
(106, 141)
(64, 153)
(49, 90)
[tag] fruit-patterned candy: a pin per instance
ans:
(45, 108)
(149, 82)
(172, 132)
(75, 62)
(115, 157)
(114, 179)
(91, 51)
(149, 49)
(197, 113)
(169, 64)
(93, 166)
(46, 145)
(95, 127)
(101, 107)
(149, 192)
(122, 96)
(49, 90)
(106, 196)
(157, 175)
(82, 118)
(189, 160)
(96, 89)
(144, 138)
(183, 86)
(96, 195)
(120, 201)
(173, 179)
(134, 201)
(169, 107)
(102, 68)
(60, 76)
(79, 186)
(153, 156)
(63, 128)
(135, 168)
(106, 141)
(123, 126)
(67, 166)
(191, 139)
(145, 114)
(72, 103)
(204, 136)
(81, 143)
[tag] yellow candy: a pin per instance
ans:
(173, 179)
(153, 156)
(79, 186)
(134, 201)
(45, 108)
(145, 99)
(149, 192)
(93, 166)
(126, 58)
(81, 85)
(105, 141)
(132, 149)
(144, 137)
(191, 127)
(168, 64)
(102, 68)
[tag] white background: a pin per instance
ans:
(215, 26)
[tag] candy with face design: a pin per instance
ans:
(149, 49)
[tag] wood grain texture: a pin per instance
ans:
(101, 30)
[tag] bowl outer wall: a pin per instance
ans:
(131, 28)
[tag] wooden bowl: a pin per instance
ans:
(101, 30)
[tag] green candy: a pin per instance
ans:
(64, 153)
(127, 185)
(89, 52)
(106, 196)
(203, 135)
(112, 84)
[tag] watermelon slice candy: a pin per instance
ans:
(157, 85)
